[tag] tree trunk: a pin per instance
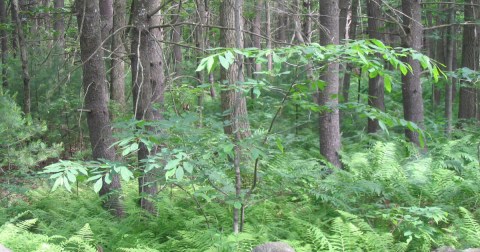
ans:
(23, 56)
(376, 89)
(351, 35)
(106, 16)
(468, 94)
(330, 120)
(59, 23)
(201, 42)
(449, 64)
(233, 101)
(95, 87)
(117, 74)
(256, 29)
(4, 42)
(269, 34)
(176, 38)
(411, 86)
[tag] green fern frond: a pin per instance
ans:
(470, 227)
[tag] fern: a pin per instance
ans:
(470, 228)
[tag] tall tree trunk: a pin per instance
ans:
(23, 56)
(256, 29)
(450, 58)
(351, 35)
(95, 87)
(106, 16)
(376, 89)
(468, 94)
(330, 120)
(411, 86)
(201, 42)
(59, 23)
(4, 42)
(117, 74)
(176, 38)
(269, 34)
(232, 99)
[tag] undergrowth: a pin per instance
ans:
(389, 197)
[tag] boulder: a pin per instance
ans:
(273, 247)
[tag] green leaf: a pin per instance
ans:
(237, 205)
(179, 173)
(133, 147)
(188, 167)
(169, 173)
(279, 144)
(98, 185)
(387, 81)
(58, 182)
(403, 69)
(126, 173)
(67, 186)
(223, 62)
(210, 62)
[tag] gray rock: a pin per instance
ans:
(273, 247)
(472, 250)
(3, 249)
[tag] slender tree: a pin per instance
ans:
(59, 23)
(95, 103)
(411, 86)
(450, 58)
(4, 42)
(468, 94)
(117, 74)
(233, 101)
(23, 56)
(376, 90)
(328, 97)
(176, 38)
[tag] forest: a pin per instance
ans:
(239, 125)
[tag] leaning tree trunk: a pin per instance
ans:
(95, 87)
(376, 89)
(468, 94)
(4, 42)
(23, 56)
(329, 119)
(411, 85)
(233, 99)
(117, 74)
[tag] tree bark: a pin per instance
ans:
(176, 38)
(330, 120)
(376, 89)
(59, 23)
(411, 86)
(4, 42)
(450, 58)
(234, 104)
(117, 74)
(201, 42)
(23, 57)
(106, 16)
(468, 94)
(351, 35)
(256, 29)
(95, 88)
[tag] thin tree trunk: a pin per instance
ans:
(23, 56)
(142, 93)
(269, 34)
(330, 120)
(468, 94)
(4, 42)
(376, 89)
(117, 74)
(411, 86)
(201, 41)
(176, 38)
(59, 23)
(106, 16)
(450, 58)
(94, 85)
(232, 99)
(256, 29)
(351, 35)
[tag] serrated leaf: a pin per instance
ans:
(223, 62)
(58, 182)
